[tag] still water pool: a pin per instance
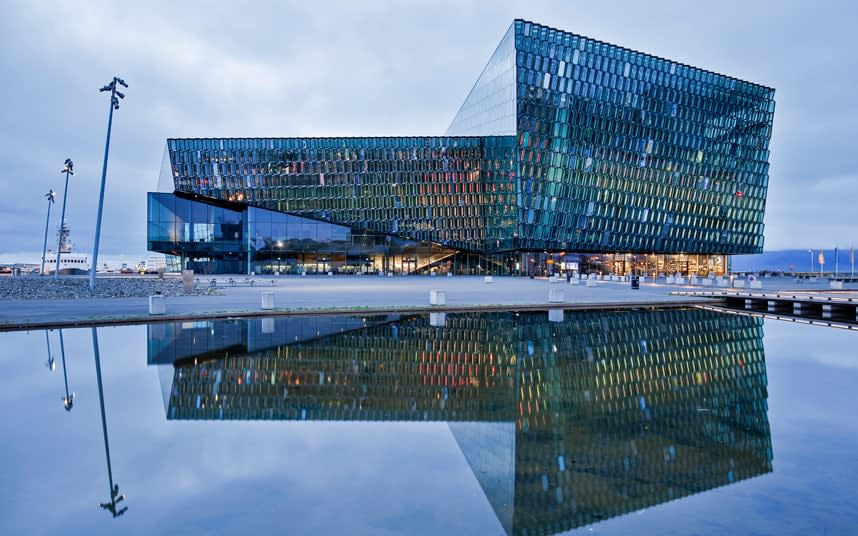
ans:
(628, 422)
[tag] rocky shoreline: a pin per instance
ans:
(72, 288)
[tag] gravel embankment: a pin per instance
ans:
(71, 288)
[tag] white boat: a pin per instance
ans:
(70, 263)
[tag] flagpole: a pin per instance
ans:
(852, 258)
(836, 262)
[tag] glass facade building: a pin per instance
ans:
(565, 144)
(564, 421)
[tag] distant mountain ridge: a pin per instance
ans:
(792, 260)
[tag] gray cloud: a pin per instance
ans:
(374, 68)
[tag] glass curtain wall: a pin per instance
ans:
(624, 151)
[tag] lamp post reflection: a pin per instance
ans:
(68, 400)
(51, 364)
(115, 497)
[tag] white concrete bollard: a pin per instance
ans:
(669, 280)
(449, 274)
(487, 279)
(555, 295)
(268, 300)
(756, 284)
(723, 282)
(330, 274)
(591, 282)
(679, 280)
(836, 285)
(738, 283)
(437, 297)
(555, 315)
(157, 304)
(573, 281)
(707, 282)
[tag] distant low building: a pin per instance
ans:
(568, 154)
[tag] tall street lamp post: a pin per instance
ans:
(68, 170)
(115, 95)
(811, 261)
(50, 197)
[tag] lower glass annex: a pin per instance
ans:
(210, 238)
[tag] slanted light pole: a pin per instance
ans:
(68, 170)
(50, 197)
(115, 95)
(811, 261)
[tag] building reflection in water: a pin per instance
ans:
(565, 419)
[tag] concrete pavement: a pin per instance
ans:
(351, 294)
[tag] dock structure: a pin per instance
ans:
(829, 307)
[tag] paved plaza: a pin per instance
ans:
(357, 293)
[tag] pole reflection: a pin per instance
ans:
(115, 497)
(51, 363)
(565, 419)
(68, 399)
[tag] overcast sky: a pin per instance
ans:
(217, 69)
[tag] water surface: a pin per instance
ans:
(679, 421)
